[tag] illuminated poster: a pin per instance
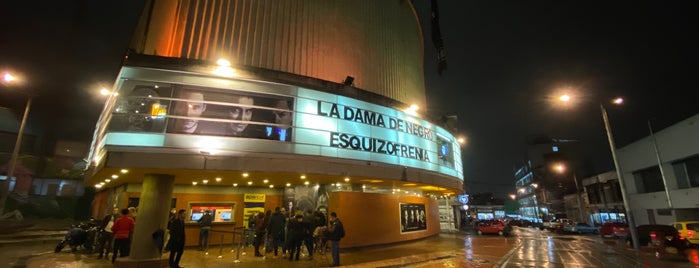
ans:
(412, 217)
(220, 212)
(306, 198)
(254, 204)
(203, 111)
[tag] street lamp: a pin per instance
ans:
(561, 169)
(612, 147)
(629, 215)
(8, 78)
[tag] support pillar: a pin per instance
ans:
(153, 209)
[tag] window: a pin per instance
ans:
(649, 180)
(687, 172)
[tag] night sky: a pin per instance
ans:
(505, 59)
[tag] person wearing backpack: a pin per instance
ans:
(334, 233)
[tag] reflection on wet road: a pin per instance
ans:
(544, 249)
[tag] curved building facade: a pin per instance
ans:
(280, 123)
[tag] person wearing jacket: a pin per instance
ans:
(123, 228)
(335, 232)
(295, 237)
(177, 238)
(106, 236)
(276, 230)
(260, 230)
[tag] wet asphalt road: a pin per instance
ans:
(527, 247)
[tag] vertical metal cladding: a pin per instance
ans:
(379, 43)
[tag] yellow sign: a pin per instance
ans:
(254, 198)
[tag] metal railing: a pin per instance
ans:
(236, 244)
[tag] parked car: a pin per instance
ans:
(493, 227)
(556, 225)
(580, 228)
(689, 230)
(614, 229)
(663, 237)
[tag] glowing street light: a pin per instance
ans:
(9, 79)
(612, 147)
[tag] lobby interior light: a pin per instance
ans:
(306, 183)
(98, 186)
(288, 184)
(124, 171)
(115, 176)
(218, 179)
(303, 177)
(205, 181)
(250, 183)
(194, 183)
(266, 181)
(245, 175)
(271, 186)
(235, 185)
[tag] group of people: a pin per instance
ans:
(116, 232)
(292, 230)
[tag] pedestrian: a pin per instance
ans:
(123, 229)
(176, 228)
(205, 224)
(276, 230)
(309, 225)
(171, 216)
(260, 229)
(106, 236)
(132, 213)
(334, 233)
(295, 236)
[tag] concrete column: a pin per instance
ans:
(153, 209)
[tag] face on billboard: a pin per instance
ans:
(193, 107)
(241, 113)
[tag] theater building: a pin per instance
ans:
(243, 106)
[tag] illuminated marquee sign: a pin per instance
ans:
(372, 118)
(371, 144)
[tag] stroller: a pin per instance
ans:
(81, 235)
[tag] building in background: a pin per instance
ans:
(301, 105)
(678, 151)
(604, 200)
(539, 187)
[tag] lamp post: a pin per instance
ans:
(561, 168)
(627, 208)
(5, 185)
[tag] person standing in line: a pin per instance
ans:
(335, 232)
(106, 236)
(268, 238)
(205, 223)
(309, 225)
(177, 238)
(276, 230)
(123, 228)
(259, 233)
(296, 229)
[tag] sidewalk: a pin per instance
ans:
(446, 249)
